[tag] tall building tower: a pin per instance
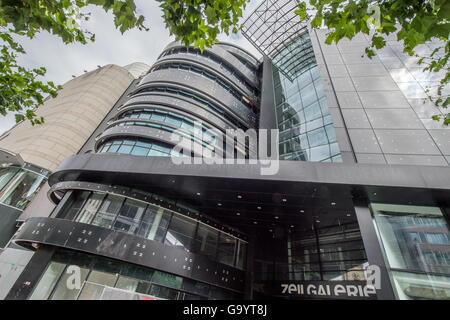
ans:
(360, 191)
(28, 154)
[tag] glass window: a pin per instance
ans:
(130, 216)
(48, 280)
(139, 151)
(159, 228)
(6, 174)
(78, 199)
(226, 249)
(404, 230)
(181, 232)
(21, 189)
(313, 112)
(145, 115)
(320, 153)
(136, 272)
(125, 149)
(147, 220)
(155, 153)
(143, 144)
(166, 279)
(317, 137)
(91, 291)
(173, 121)
(241, 260)
(90, 207)
(163, 292)
(196, 287)
(134, 285)
(108, 211)
(161, 148)
(206, 241)
(413, 286)
(64, 291)
(103, 278)
(113, 148)
(158, 117)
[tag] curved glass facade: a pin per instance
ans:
(416, 241)
(137, 147)
(210, 76)
(19, 186)
(217, 61)
(304, 120)
(107, 279)
(171, 118)
(328, 253)
(209, 105)
(158, 224)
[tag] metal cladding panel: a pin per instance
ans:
(199, 84)
(185, 58)
(175, 103)
(129, 248)
(222, 53)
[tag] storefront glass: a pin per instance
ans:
(103, 279)
(416, 242)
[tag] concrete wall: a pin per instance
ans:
(70, 118)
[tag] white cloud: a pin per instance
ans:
(110, 47)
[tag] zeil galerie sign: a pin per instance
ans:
(359, 290)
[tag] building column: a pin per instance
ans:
(31, 274)
(249, 271)
(374, 251)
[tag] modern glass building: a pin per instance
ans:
(362, 192)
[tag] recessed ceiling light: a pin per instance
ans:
(333, 203)
(292, 226)
(259, 208)
(239, 196)
(284, 200)
(238, 214)
(276, 217)
(270, 230)
(302, 211)
(348, 214)
(198, 193)
(255, 222)
(317, 221)
(219, 204)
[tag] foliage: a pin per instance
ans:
(195, 22)
(416, 22)
(199, 22)
(20, 90)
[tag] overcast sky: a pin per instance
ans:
(62, 61)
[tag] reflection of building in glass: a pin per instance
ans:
(417, 244)
(304, 120)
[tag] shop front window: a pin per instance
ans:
(416, 242)
(155, 223)
(48, 280)
(19, 187)
(103, 279)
